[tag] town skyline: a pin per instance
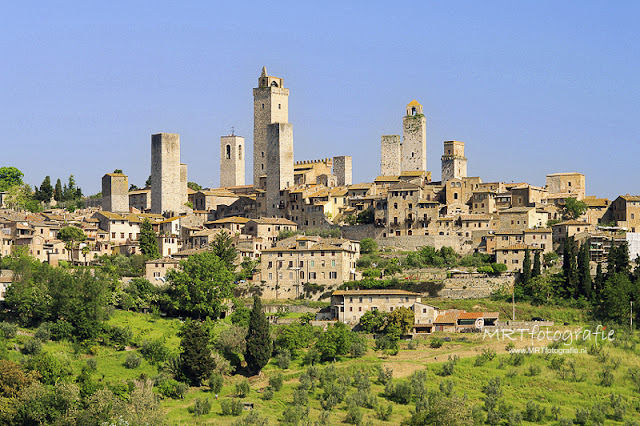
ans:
(86, 90)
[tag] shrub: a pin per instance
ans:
(384, 412)
(354, 415)
(172, 389)
(92, 363)
(412, 345)
(154, 351)
(231, 407)
(384, 375)
(268, 393)
(606, 377)
(358, 346)
(132, 361)
(243, 388)
(301, 397)
(449, 366)
(216, 381)
(283, 359)
(43, 332)
(534, 370)
(8, 330)
(276, 381)
(200, 407)
(294, 414)
(32, 347)
(435, 343)
(534, 412)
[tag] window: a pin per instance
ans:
(359, 308)
(370, 299)
(333, 263)
(334, 275)
(239, 152)
(424, 310)
(228, 152)
(312, 275)
(312, 263)
(350, 308)
(360, 299)
(270, 276)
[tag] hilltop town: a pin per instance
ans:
(403, 208)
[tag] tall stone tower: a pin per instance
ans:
(390, 155)
(115, 193)
(279, 165)
(414, 135)
(231, 160)
(270, 105)
(342, 170)
(454, 163)
(168, 176)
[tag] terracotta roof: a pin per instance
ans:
(447, 318)
(414, 173)
(630, 197)
(164, 260)
(414, 103)
(537, 230)
(361, 186)
(404, 185)
(274, 221)
(519, 247)
(596, 202)
(387, 179)
(374, 292)
(233, 219)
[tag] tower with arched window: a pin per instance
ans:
(414, 139)
(232, 160)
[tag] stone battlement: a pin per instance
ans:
(323, 160)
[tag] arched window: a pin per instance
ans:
(414, 111)
(274, 84)
(228, 152)
(239, 152)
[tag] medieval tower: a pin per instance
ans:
(414, 139)
(231, 160)
(454, 163)
(270, 105)
(115, 193)
(390, 155)
(279, 165)
(342, 170)
(168, 176)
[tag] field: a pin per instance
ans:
(567, 382)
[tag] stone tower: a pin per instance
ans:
(115, 193)
(414, 135)
(390, 155)
(279, 165)
(454, 163)
(231, 160)
(270, 105)
(168, 176)
(342, 170)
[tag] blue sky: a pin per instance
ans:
(531, 87)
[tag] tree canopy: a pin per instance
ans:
(222, 246)
(573, 208)
(10, 176)
(201, 286)
(259, 342)
(71, 234)
(147, 240)
(195, 360)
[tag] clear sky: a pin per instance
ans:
(532, 88)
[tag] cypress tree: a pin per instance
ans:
(584, 273)
(611, 259)
(570, 267)
(622, 258)
(259, 343)
(57, 192)
(195, 360)
(148, 242)
(526, 268)
(598, 282)
(537, 268)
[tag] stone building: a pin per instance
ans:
(270, 105)
(414, 139)
(454, 163)
(279, 166)
(625, 211)
(342, 169)
(390, 155)
(168, 176)
(567, 184)
(115, 193)
(232, 161)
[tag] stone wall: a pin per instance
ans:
(475, 286)
(414, 242)
(358, 232)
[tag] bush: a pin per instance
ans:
(8, 330)
(276, 381)
(61, 330)
(172, 389)
(294, 414)
(216, 381)
(268, 393)
(132, 361)
(231, 407)
(154, 351)
(283, 359)
(354, 415)
(43, 332)
(384, 413)
(92, 363)
(243, 388)
(201, 407)
(32, 347)
(435, 343)
(534, 370)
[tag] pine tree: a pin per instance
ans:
(195, 360)
(57, 192)
(537, 268)
(148, 242)
(259, 343)
(222, 246)
(526, 268)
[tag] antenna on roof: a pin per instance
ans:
(233, 131)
